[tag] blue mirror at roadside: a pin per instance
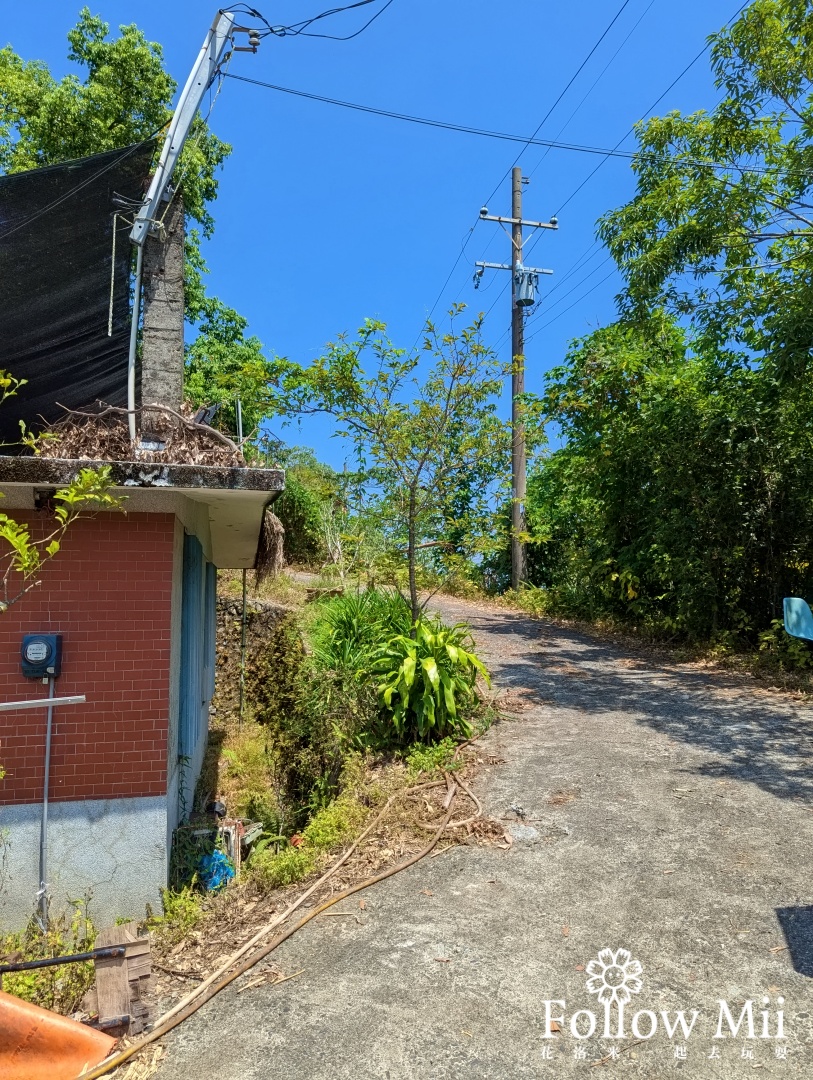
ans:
(798, 618)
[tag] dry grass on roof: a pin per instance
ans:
(105, 436)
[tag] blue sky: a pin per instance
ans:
(327, 216)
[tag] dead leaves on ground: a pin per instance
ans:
(563, 797)
(514, 702)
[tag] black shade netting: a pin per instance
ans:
(58, 328)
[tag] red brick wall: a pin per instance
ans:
(108, 592)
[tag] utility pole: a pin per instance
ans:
(524, 282)
(519, 569)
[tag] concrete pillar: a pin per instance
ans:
(163, 319)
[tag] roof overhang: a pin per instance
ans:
(234, 498)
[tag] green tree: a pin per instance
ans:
(680, 501)
(720, 227)
(126, 97)
(420, 433)
(682, 496)
(222, 363)
(312, 491)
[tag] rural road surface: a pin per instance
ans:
(664, 856)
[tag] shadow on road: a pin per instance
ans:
(758, 738)
(797, 926)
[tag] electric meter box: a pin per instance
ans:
(41, 655)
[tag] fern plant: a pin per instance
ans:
(427, 681)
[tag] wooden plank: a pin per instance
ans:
(138, 967)
(112, 986)
(139, 970)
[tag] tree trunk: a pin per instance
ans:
(411, 549)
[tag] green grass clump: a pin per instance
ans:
(183, 910)
(338, 822)
(329, 828)
(274, 869)
(347, 630)
(434, 758)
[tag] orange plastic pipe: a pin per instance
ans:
(36, 1044)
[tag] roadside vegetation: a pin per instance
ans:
(347, 703)
(59, 988)
(676, 504)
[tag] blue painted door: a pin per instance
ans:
(198, 614)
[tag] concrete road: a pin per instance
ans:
(662, 868)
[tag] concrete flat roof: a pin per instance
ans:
(57, 472)
(232, 499)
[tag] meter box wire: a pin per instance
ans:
(41, 655)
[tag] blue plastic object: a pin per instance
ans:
(216, 870)
(798, 618)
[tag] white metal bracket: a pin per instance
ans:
(200, 79)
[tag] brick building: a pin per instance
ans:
(132, 593)
(133, 596)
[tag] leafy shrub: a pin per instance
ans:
(335, 824)
(340, 820)
(365, 685)
(329, 705)
(183, 910)
(351, 627)
(427, 682)
(262, 806)
(534, 600)
(272, 680)
(789, 651)
(62, 988)
(433, 758)
(298, 508)
(274, 869)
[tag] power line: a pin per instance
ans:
(598, 79)
(543, 310)
(465, 129)
(528, 142)
(299, 29)
(567, 122)
(561, 95)
(546, 117)
(578, 300)
(560, 300)
(655, 103)
(616, 149)
(443, 124)
(626, 135)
